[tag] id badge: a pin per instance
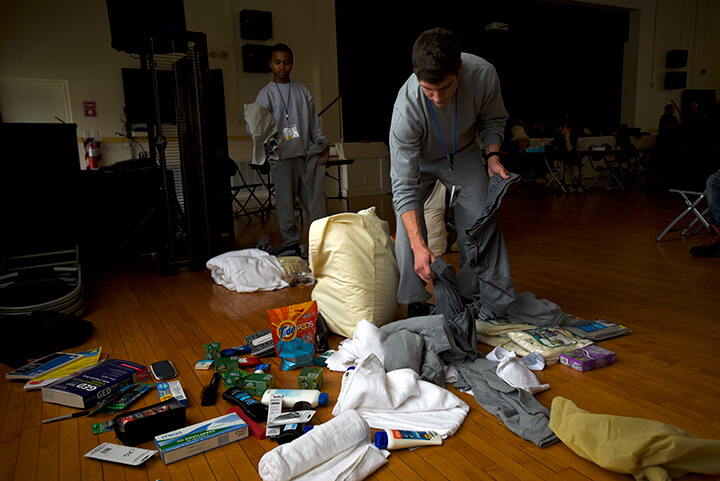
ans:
(291, 132)
(454, 195)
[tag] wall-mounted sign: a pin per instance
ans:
(89, 109)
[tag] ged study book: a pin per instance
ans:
(90, 386)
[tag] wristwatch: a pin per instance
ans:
(491, 154)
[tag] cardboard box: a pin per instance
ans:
(256, 384)
(310, 378)
(198, 438)
(587, 358)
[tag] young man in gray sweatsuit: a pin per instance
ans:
(451, 100)
(300, 169)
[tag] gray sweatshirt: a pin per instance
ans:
(301, 112)
(481, 114)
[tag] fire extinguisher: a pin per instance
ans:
(93, 153)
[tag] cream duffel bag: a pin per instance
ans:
(352, 257)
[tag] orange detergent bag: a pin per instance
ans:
(293, 331)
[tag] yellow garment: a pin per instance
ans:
(649, 450)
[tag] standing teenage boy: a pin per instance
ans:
(304, 149)
(449, 101)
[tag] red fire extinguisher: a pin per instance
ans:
(93, 154)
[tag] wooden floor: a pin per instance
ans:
(594, 255)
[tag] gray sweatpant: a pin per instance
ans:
(298, 177)
(470, 174)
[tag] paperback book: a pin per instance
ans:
(90, 358)
(43, 366)
(90, 386)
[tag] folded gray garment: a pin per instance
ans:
(528, 309)
(438, 342)
(404, 349)
(516, 408)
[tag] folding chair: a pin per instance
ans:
(554, 170)
(244, 197)
(691, 207)
(605, 169)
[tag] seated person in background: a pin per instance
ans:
(668, 128)
(711, 248)
(565, 144)
(516, 141)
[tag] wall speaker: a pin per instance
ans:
(133, 22)
(675, 80)
(255, 25)
(676, 59)
(256, 58)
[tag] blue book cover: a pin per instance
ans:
(43, 365)
(90, 386)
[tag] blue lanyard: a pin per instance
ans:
(287, 117)
(451, 158)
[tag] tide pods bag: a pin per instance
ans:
(293, 333)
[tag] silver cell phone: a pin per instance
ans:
(163, 370)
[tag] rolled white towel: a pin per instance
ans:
(342, 433)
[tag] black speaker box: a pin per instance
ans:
(255, 25)
(675, 80)
(676, 59)
(134, 22)
(256, 58)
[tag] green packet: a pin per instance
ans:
(233, 378)
(211, 351)
(99, 428)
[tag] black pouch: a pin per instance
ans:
(135, 427)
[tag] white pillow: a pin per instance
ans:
(352, 258)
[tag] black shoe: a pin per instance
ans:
(419, 309)
(710, 249)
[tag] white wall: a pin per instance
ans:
(70, 41)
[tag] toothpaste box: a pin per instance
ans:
(198, 438)
(310, 378)
(588, 357)
(168, 389)
(256, 384)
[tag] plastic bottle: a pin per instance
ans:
(344, 379)
(256, 411)
(397, 439)
(291, 396)
(291, 432)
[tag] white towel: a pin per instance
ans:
(339, 449)
(512, 370)
(367, 339)
(247, 270)
(400, 400)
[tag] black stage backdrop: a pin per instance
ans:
(553, 57)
